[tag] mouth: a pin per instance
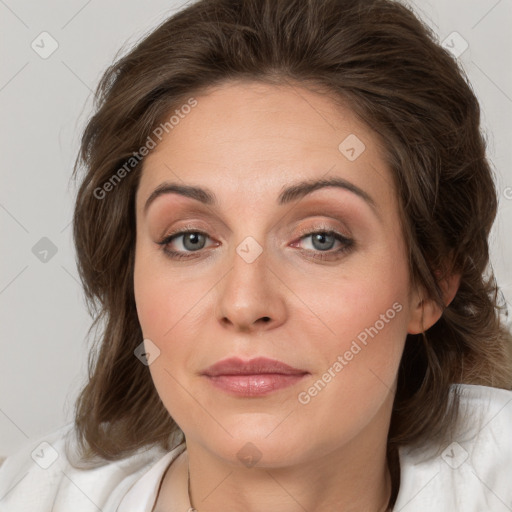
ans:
(256, 377)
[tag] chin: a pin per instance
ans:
(252, 444)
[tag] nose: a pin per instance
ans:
(250, 296)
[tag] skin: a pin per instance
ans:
(246, 142)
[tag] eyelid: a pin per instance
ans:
(313, 227)
(181, 229)
(322, 227)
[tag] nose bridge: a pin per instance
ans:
(250, 295)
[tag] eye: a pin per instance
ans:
(323, 241)
(191, 241)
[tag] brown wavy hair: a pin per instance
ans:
(381, 60)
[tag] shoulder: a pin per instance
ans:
(473, 471)
(40, 477)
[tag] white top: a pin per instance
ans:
(472, 474)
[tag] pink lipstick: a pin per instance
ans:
(256, 377)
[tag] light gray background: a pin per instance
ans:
(44, 104)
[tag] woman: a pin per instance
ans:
(283, 229)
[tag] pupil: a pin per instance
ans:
(192, 238)
(320, 237)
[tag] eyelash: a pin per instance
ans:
(348, 244)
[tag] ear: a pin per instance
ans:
(425, 312)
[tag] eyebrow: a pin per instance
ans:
(289, 194)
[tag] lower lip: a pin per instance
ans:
(254, 385)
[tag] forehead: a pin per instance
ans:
(245, 139)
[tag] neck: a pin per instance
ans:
(273, 493)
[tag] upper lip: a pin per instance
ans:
(259, 365)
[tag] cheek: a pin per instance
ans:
(369, 294)
(163, 298)
(363, 346)
(363, 317)
(162, 308)
(363, 305)
(358, 366)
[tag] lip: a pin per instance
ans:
(259, 365)
(256, 377)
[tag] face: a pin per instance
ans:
(317, 280)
